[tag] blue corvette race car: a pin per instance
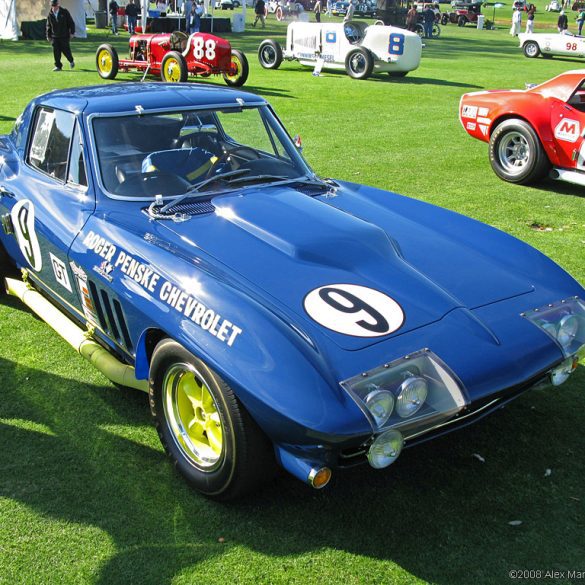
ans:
(175, 236)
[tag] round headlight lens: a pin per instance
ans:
(380, 403)
(385, 449)
(413, 393)
(568, 327)
(562, 372)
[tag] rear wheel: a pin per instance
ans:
(204, 428)
(444, 19)
(106, 61)
(436, 33)
(270, 54)
(359, 63)
(240, 67)
(419, 30)
(516, 154)
(531, 49)
(173, 67)
(279, 14)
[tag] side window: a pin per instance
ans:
(49, 148)
(76, 162)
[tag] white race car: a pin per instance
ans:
(549, 44)
(354, 46)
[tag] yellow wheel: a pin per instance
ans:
(204, 428)
(106, 61)
(239, 69)
(173, 67)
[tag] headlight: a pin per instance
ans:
(564, 322)
(380, 403)
(411, 394)
(385, 449)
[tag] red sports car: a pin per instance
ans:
(175, 56)
(532, 133)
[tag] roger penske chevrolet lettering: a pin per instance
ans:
(273, 316)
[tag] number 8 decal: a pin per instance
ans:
(396, 44)
(354, 310)
(203, 48)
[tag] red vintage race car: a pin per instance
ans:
(532, 133)
(175, 56)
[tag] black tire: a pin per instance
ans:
(270, 54)
(436, 32)
(107, 62)
(397, 74)
(516, 154)
(444, 19)
(181, 386)
(359, 63)
(461, 21)
(547, 56)
(174, 68)
(243, 69)
(531, 49)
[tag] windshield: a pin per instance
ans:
(171, 153)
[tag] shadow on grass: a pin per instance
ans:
(561, 188)
(439, 513)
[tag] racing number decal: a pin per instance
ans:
(23, 218)
(571, 46)
(354, 310)
(203, 48)
(396, 44)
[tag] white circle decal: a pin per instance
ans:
(354, 310)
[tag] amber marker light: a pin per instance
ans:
(319, 478)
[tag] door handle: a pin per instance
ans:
(4, 192)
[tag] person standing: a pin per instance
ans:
(516, 22)
(350, 10)
(260, 11)
(581, 20)
(59, 29)
(411, 18)
(530, 19)
(429, 20)
(329, 6)
(562, 22)
(194, 19)
(317, 11)
(132, 12)
(113, 10)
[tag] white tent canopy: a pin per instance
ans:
(14, 12)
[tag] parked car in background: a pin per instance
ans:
(176, 56)
(339, 8)
(534, 133)
(354, 46)
(549, 44)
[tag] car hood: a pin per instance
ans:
(286, 242)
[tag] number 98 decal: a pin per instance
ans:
(354, 310)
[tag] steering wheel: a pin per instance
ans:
(225, 156)
(352, 33)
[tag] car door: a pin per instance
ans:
(50, 202)
(568, 126)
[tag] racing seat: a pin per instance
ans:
(188, 163)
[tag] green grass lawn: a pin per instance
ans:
(86, 493)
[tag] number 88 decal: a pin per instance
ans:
(396, 44)
(354, 310)
(203, 48)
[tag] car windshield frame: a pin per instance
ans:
(273, 127)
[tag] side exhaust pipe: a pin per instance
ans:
(80, 340)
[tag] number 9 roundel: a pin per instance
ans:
(354, 310)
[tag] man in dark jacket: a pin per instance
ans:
(60, 28)
(132, 12)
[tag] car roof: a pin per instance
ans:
(125, 97)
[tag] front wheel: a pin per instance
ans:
(444, 19)
(174, 67)
(516, 154)
(270, 54)
(279, 14)
(106, 61)
(239, 69)
(419, 30)
(203, 427)
(461, 21)
(531, 49)
(436, 32)
(359, 63)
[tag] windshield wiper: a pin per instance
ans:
(198, 186)
(258, 178)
